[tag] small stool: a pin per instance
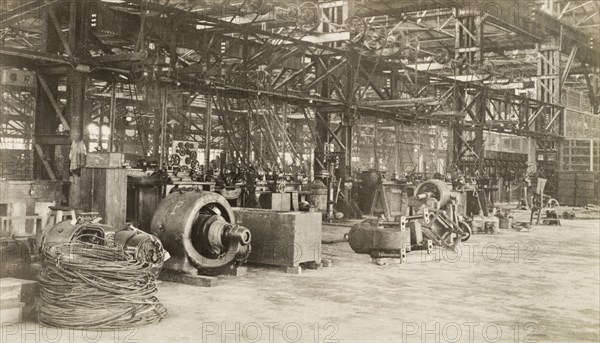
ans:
(58, 214)
(88, 216)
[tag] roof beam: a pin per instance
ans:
(509, 14)
(246, 28)
(22, 12)
(564, 10)
(567, 9)
(32, 55)
(586, 18)
(55, 104)
(59, 31)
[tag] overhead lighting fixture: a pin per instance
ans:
(114, 1)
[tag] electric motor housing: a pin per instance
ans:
(199, 231)
(67, 231)
(437, 188)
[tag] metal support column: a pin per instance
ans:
(469, 52)
(468, 41)
(348, 116)
(112, 116)
(548, 89)
(76, 86)
(478, 144)
(163, 125)
(207, 131)
(46, 118)
(322, 119)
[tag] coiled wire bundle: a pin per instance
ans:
(93, 286)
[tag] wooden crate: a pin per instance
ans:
(583, 201)
(17, 299)
(578, 188)
(143, 196)
(11, 312)
(278, 201)
(585, 192)
(586, 177)
(104, 191)
(566, 176)
(581, 154)
(104, 160)
(282, 238)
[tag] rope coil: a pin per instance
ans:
(91, 286)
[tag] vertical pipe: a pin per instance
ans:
(321, 125)
(76, 86)
(478, 144)
(111, 116)
(249, 143)
(100, 123)
(163, 121)
(207, 130)
(397, 157)
(591, 155)
(284, 133)
(375, 155)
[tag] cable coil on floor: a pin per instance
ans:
(94, 286)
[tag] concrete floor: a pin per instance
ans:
(533, 286)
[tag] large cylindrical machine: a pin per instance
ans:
(198, 230)
(436, 189)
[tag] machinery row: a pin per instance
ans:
(213, 222)
(209, 227)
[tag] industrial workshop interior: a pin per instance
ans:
(300, 171)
